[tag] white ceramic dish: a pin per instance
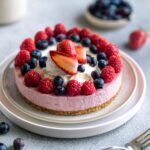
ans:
(18, 101)
(105, 24)
(80, 130)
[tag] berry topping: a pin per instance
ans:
(3, 146)
(46, 86)
(85, 33)
(52, 41)
(101, 56)
(99, 83)
(58, 81)
(88, 88)
(25, 68)
(42, 62)
(102, 63)
(88, 58)
(49, 32)
(36, 54)
(59, 29)
(32, 63)
(86, 42)
(40, 36)
(42, 44)
(4, 128)
(22, 57)
(81, 68)
(28, 44)
(93, 49)
(32, 78)
(115, 62)
(74, 38)
(95, 74)
(102, 44)
(60, 37)
(66, 47)
(18, 144)
(73, 31)
(67, 63)
(60, 90)
(73, 88)
(93, 62)
(137, 39)
(81, 54)
(111, 49)
(108, 74)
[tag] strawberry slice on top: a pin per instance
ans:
(81, 54)
(67, 63)
(66, 47)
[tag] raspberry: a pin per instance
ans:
(49, 32)
(32, 78)
(115, 62)
(108, 74)
(67, 47)
(101, 44)
(46, 86)
(22, 57)
(28, 44)
(94, 38)
(88, 88)
(111, 49)
(40, 36)
(73, 88)
(73, 31)
(59, 29)
(85, 33)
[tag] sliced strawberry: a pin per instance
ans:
(67, 63)
(81, 54)
(67, 47)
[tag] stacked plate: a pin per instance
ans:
(123, 107)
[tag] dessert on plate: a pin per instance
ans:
(68, 72)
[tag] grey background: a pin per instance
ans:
(49, 12)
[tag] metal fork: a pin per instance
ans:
(139, 143)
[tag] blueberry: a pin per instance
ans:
(52, 41)
(81, 68)
(124, 11)
(102, 63)
(3, 146)
(111, 11)
(88, 58)
(42, 62)
(95, 74)
(32, 63)
(86, 42)
(60, 90)
(41, 44)
(4, 128)
(117, 17)
(36, 54)
(98, 14)
(60, 37)
(74, 38)
(25, 68)
(93, 61)
(99, 83)
(116, 2)
(101, 56)
(18, 144)
(103, 3)
(58, 81)
(93, 49)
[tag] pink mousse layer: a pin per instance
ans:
(67, 103)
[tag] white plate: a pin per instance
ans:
(125, 94)
(83, 129)
(105, 24)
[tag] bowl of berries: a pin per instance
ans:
(109, 14)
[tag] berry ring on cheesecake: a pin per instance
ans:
(68, 72)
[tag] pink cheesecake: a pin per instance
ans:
(68, 72)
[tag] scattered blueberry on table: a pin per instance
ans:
(111, 9)
(18, 144)
(4, 128)
(3, 146)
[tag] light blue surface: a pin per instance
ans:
(43, 13)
